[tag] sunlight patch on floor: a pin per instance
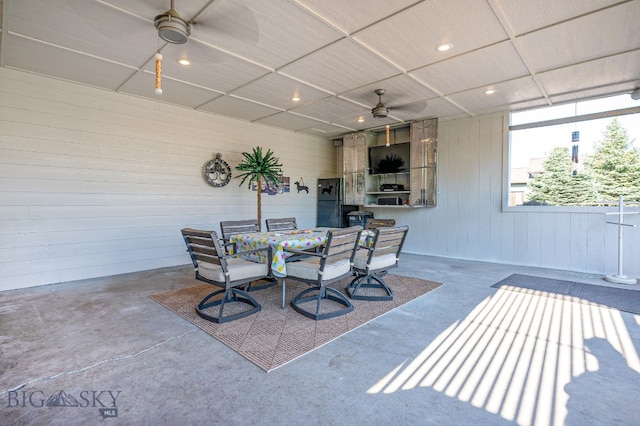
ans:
(514, 354)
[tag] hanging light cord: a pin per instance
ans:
(158, 74)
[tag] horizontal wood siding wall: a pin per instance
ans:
(468, 222)
(95, 183)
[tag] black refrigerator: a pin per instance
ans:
(331, 212)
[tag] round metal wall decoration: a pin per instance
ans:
(217, 172)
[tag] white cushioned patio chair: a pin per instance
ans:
(281, 224)
(232, 227)
(373, 262)
(319, 270)
(372, 223)
(228, 271)
(287, 224)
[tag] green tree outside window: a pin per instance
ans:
(615, 165)
(558, 185)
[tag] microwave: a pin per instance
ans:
(389, 201)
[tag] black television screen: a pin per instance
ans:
(389, 159)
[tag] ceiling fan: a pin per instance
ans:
(382, 111)
(172, 27)
(231, 18)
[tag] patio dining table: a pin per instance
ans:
(299, 239)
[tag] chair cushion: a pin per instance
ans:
(308, 269)
(378, 262)
(239, 269)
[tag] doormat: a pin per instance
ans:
(627, 300)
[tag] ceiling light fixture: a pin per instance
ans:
(184, 61)
(295, 98)
(444, 47)
(380, 111)
(171, 27)
(490, 91)
(360, 119)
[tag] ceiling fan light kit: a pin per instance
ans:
(171, 27)
(380, 111)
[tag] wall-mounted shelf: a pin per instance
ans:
(387, 192)
(404, 206)
(388, 174)
(375, 194)
(408, 158)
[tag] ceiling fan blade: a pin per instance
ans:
(412, 108)
(228, 19)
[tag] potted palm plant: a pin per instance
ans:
(255, 168)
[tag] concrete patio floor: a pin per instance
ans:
(463, 354)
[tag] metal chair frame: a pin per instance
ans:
(373, 224)
(204, 247)
(232, 227)
(287, 224)
(281, 224)
(385, 241)
(341, 245)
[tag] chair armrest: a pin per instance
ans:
(227, 256)
(368, 248)
(225, 243)
(368, 241)
(269, 251)
(306, 253)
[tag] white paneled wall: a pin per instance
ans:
(468, 222)
(95, 183)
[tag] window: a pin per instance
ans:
(580, 154)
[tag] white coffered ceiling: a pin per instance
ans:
(249, 57)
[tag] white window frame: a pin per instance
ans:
(506, 161)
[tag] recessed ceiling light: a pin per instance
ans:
(444, 47)
(490, 91)
(296, 99)
(184, 61)
(360, 119)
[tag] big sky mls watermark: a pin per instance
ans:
(105, 401)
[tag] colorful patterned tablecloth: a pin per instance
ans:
(300, 239)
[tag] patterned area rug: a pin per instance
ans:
(275, 336)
